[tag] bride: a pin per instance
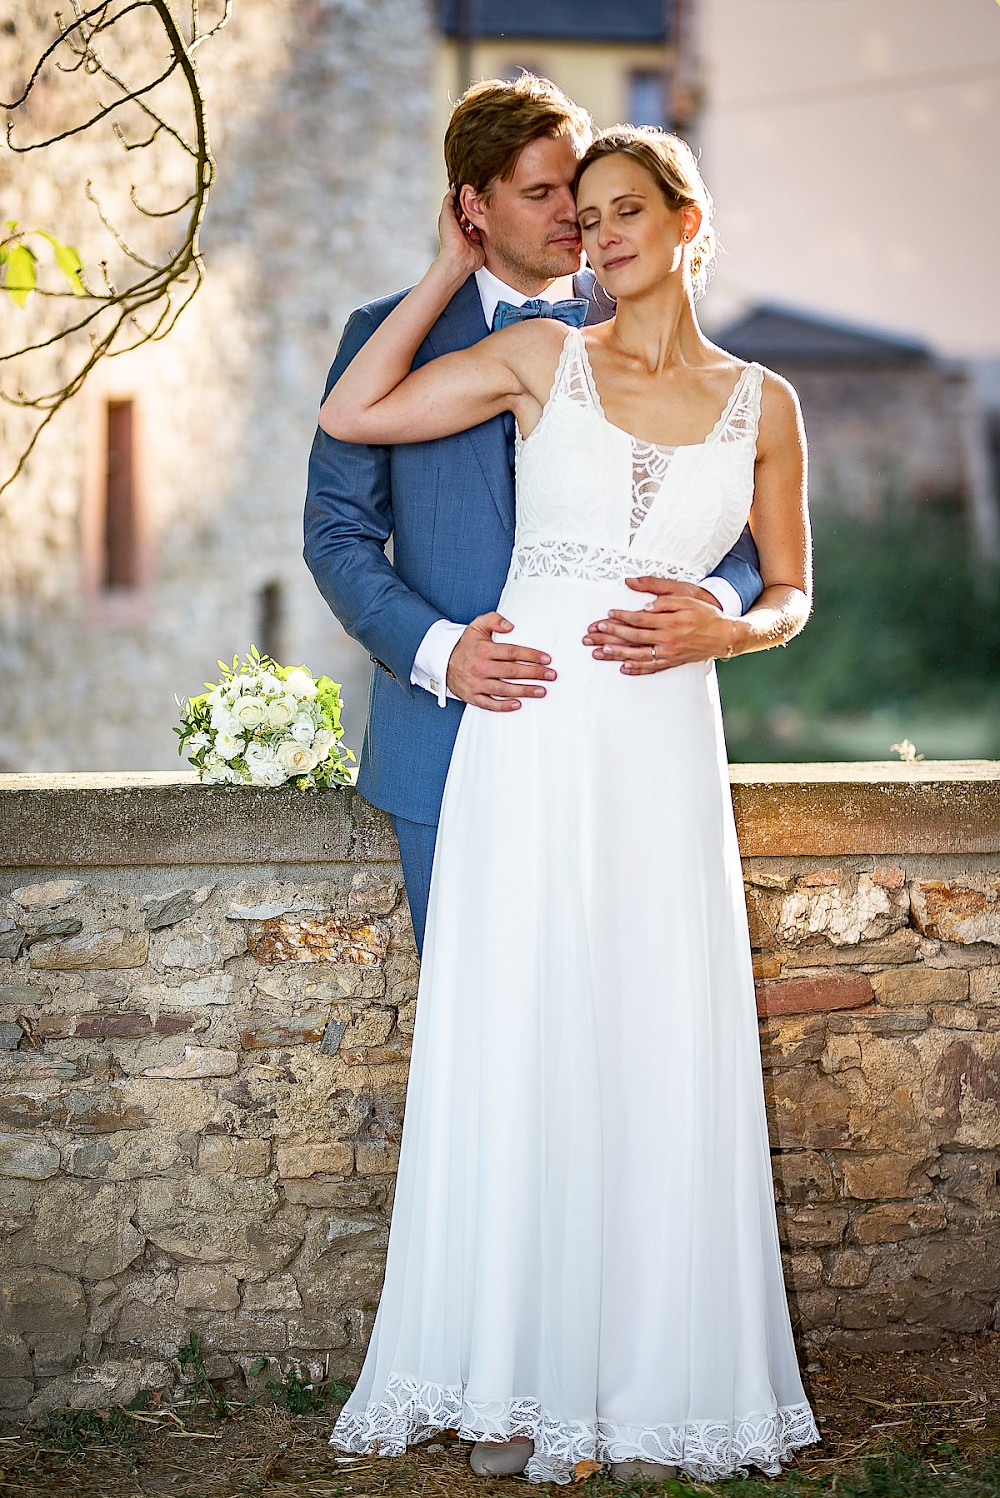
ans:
(583, 1261)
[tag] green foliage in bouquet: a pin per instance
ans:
(265, 724)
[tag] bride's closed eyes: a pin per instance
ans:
(590, 221)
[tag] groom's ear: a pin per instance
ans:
(471, 204)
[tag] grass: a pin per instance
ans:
(904, 642)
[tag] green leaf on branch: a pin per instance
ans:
(20, 273)
(68, 261)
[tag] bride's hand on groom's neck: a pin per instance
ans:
(461, 247)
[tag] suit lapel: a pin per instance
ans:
(601, 306)
(461, 325)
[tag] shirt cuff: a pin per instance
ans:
(729, 600)
(430, 664)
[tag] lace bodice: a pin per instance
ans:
(595, 502)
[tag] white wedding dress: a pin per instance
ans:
(583, 1246)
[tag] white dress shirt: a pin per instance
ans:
(430, 664)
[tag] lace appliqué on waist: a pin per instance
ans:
(706, 1449)
(600, 564)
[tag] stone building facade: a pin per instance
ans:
(319, 112)
(206, 1003)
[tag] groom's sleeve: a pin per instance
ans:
(348, 520)
(741, 569)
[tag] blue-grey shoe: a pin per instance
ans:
(508, 1459)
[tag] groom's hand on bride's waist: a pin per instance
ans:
(682, 623)
(489, 674)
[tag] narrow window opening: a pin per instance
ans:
(270, 620)
(647, 97)
(120, 554)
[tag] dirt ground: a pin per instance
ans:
(942, 1406)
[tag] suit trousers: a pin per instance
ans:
(416, 853)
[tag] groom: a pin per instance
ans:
(427, 618)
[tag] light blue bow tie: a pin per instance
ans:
(573, 311)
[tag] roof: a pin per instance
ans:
(775, 335)
(562, 20)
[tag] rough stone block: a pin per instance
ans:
(180, 905)
(280, 1293)
(372, 894)
(15, 1393)
(900, 946)
(269, 1031)
(198, 1061)
(228, 1331)
(822, 992)
(321, 939)
(26, 1158)
(192, 949)
(299, 1161)
(80, 1228)
(37, 1301)
(807, 1109)
(375, 1192)
(802, 1271)
(849, 1268)
(918, 987)
(332, 1036)
(898, 1220)
(11, 940)
(114, 1381)
(29, 1066)
(54, 892)
(813, 1226)
(11, 1034)
(960, 910)
(841, 1053)
(969, 1264)
(972, 1177)
(406, 1017)
(854, 909)
(94, 950)
(815, 1308)
(881, 1022)
(221, 1154)
(15, 1357)
(332, 983)
(47, 930)
(791, 1040)
(201, 1288)
(802, 1176)
(374, 1157)
(371, 1028)
(964, 1017)
(214, 988)
(126, 1156)
(885, 1174)
(963, 1088)
(984, 987)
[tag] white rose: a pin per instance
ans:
(264, 768)
(281, 711)
(223, 721)
(250, 712)
(303, 729)
(269, 685)
(228, 745)
(301, 684)
(323, 743)
(197, 741)
(295, 759)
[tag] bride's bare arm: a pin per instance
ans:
(779, 520)
(377, 399)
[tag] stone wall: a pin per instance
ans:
(206, 999)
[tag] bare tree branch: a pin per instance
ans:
(160, 283)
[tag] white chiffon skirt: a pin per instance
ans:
(583, 1246)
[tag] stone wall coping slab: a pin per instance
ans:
(782, 810)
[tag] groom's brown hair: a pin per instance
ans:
(494, 120)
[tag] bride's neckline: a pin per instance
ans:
(663, 447)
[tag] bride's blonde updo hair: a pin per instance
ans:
(670, 161)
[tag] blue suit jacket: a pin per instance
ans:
(449, 507)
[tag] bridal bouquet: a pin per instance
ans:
(264, 724)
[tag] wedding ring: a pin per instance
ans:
(653, 649)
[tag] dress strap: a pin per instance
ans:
(741, 418)
(571, 379)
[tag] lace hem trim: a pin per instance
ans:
(706, 1449)
(591, 563)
